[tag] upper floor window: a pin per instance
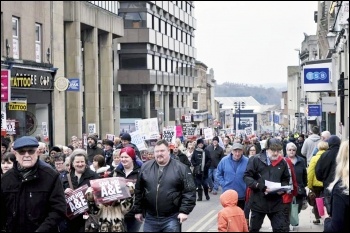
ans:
(38, 42)
(15, 37)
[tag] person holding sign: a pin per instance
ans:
(80, 175)
(165, 191)
(32, 197)
(129, 168)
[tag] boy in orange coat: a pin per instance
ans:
(231, 217)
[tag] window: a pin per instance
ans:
(133, 61)
(155, 23)
(134, 20)
(38, 42)
(15, 37)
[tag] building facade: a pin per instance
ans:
(156, 60)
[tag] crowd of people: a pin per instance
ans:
(168, 179)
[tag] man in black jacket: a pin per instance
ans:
(164, 191)
(92, 148)
(267, 166)
(32, 197)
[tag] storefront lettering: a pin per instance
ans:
(23, 80)
(17, 106)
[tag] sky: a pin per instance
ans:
(252, 42)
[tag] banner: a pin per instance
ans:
(5, 86)
(178, 130)
(76, 202)
(109, 189)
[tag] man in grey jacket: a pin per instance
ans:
(310, 143)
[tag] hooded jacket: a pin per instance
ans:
(93, 150)
(231, 217)
(325, 167)
(309, 145)
(311, 176)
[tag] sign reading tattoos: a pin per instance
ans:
(109, 189)
(76, 202)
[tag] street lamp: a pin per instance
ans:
(299, 92)
(238, 106)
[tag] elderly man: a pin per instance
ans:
(32, 196)
(165, 190)
(230, 172)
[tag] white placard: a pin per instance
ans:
(168, 134)
(92, 128)
(11, 126)
(138, 140)
(3, 120)
(208, 133)
(148, 128)
(248, 131)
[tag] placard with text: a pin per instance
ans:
(109, 189)
(76, 202)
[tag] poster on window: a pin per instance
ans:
(76, 202)
(107, 190)
(11, 127)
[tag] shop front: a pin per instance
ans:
(29, 111)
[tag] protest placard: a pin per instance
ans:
(138, 140)
(168, 134)
(109, 189)
(76, 202)
(208, 133)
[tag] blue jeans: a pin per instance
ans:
(161, 224)
(213, 179)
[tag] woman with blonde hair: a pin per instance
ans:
(312, 183)
(338, 222)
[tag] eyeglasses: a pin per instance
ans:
(23, 152)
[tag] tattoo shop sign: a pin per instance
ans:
(76, 202)
(109, 189)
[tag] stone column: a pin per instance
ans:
(106, 94)
(73, 70)
(166, 109)
(59, 100)
(147, 96)
(91, 79)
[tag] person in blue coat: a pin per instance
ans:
(230, 172)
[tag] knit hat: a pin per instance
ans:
(199, 141)
(129, 151)
(126, 137)
(93, 137)
(25, 141)
(216, 138)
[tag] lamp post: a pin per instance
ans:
(238, 106)
(299, 126)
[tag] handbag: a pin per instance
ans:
(305, 204)
(311, 198)
(294, 213)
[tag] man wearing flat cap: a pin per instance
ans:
(32, 197)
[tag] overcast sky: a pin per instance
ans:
(252, 42)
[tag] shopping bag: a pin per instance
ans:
(320, 205)
(294, 213)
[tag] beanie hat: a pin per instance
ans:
(93, 137)
(199, 141)
(126, 137)
(25, 141)
(216, 138)
(129, 151)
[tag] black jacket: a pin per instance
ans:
(215, 155)
(256, 173)
(325, 167)
(36, 203)
(92, 151)
(196, 161)
(174, 191)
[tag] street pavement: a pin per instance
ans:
(204, 218)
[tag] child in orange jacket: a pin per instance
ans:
(231, 217)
